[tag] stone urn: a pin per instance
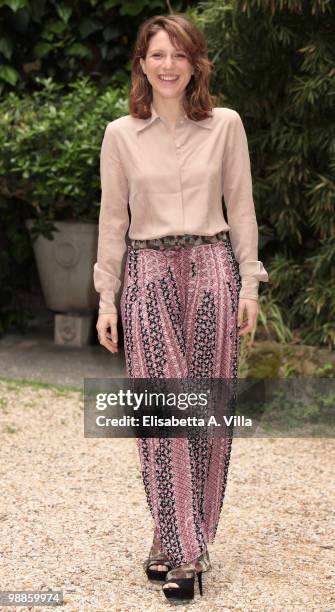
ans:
(65, 267)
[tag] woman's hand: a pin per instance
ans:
(247, 315)
(108, 340)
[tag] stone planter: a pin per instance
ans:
(65, 266)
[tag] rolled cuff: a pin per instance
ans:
(252, 272)
(254, 269)
(107, 303)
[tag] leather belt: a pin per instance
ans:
(177, 242)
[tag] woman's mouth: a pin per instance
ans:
(168, 79)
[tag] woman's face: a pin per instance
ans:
(163, 59)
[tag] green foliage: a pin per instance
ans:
(282, 414)
(16, 264)
(49, 170)
(274, 64)
(50, 146)
(66, 40)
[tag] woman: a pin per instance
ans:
(190, 276)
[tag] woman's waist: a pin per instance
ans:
(178, 241)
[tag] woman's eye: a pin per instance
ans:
(159, 55)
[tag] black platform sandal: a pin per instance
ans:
(156, 557)
(184, 576)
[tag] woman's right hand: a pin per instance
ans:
(107, 331)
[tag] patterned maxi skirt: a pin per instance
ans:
(179, 315)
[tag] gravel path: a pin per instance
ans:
(73, 516)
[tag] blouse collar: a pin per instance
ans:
(204, 123)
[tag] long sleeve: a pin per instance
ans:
(113, 224)
(241, 216)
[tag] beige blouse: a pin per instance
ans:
(174, 181)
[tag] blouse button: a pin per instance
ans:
(178, 145)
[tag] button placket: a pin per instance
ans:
(178, 135)
(177, 140)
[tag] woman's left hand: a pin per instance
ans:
(247, 315)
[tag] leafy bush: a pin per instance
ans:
(50, 148)
(274, 64)
(67, 40)
(49, 170)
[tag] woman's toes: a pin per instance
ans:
(170, 584)
(160, 568)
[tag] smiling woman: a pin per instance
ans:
(169, 48)
(189, 277)
(168, 71)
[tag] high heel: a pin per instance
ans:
(200, 582)
(184, 592)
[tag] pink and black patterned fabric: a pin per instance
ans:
(179, 314)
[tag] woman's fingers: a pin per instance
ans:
(107, 332)
(247, 316)
(114, 334)
(106, 340)
(109, 344)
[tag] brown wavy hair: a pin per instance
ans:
(183, 34)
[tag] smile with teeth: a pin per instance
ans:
(167, 78)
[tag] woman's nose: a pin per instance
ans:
(168, 62)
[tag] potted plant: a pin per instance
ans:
(52, 148)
